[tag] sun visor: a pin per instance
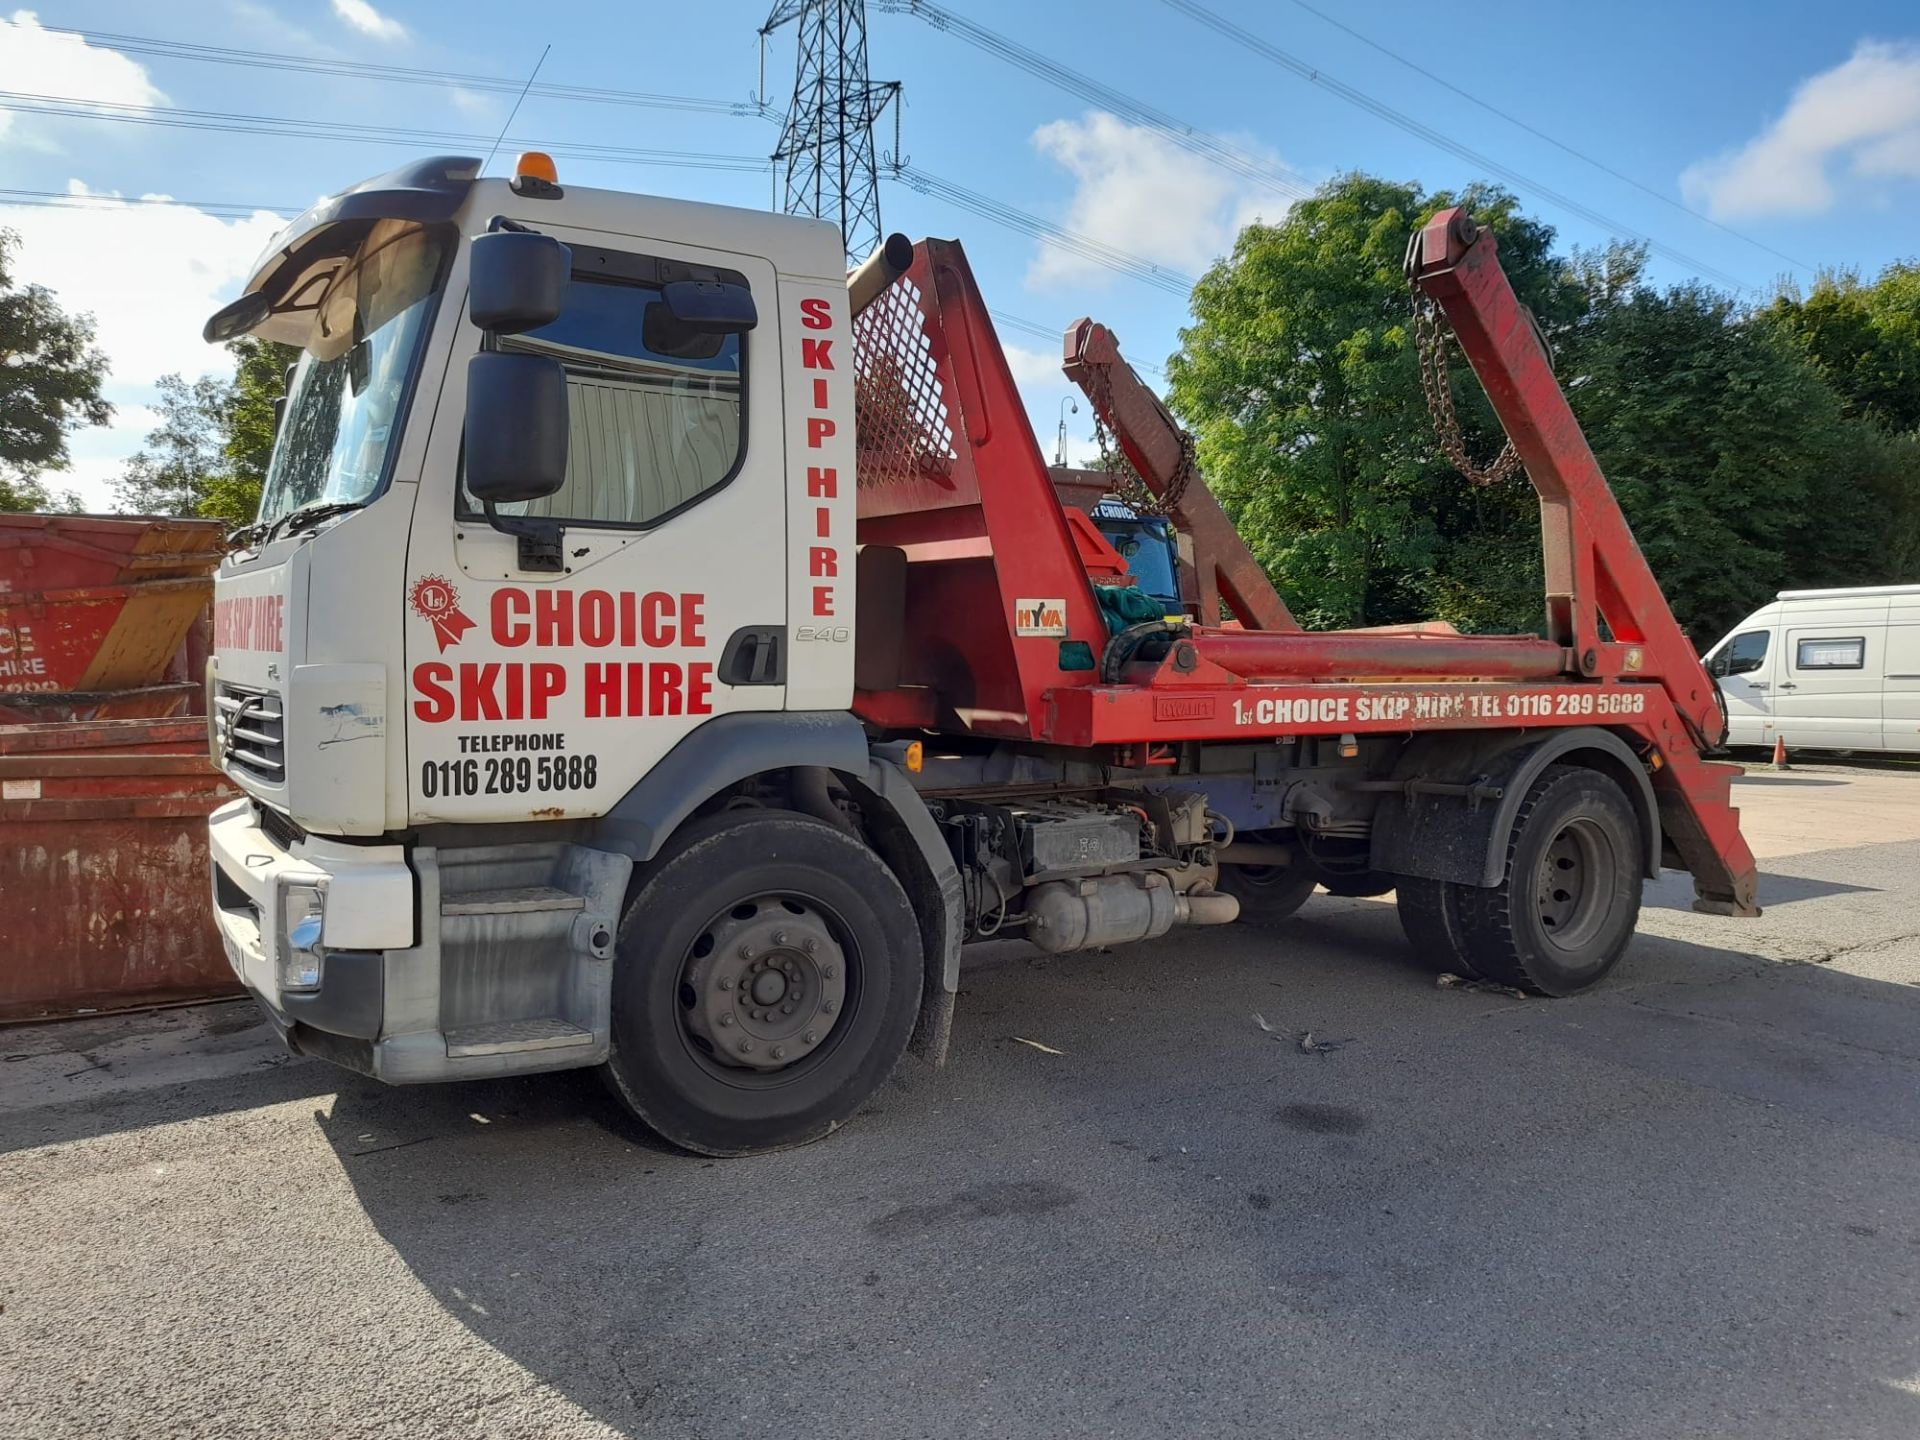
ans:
(291, 278)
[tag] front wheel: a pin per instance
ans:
(767, 980)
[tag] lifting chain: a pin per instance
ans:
(1127, 483)
(1430, 346)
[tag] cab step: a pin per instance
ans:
(506, 1037)
(513, 900)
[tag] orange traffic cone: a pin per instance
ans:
(1780, 753)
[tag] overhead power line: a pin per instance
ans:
(235, 210)
(1190, 138)
(409, 75)
(1072, 242)
(1033, 329)
(1313, 75)
(66, 200)
(1540, 134)
(69, 107)
(1059, 237)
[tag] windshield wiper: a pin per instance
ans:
(245, 537)
(309, 515)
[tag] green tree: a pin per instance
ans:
(259, 380)
(1298, 378)
(1741, 467)
(208, 456)
(185, 454)
(50, 379)
(1731, 456)
(1864, 339)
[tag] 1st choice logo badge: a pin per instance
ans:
(436, 601)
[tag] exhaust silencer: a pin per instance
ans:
(1117, 909)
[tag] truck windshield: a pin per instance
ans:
(348, 394)
(1148, 551)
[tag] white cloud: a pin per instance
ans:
(37, 61)
(267, 24)
(369, 21)
(149, 275)
(1033, 367)
(1139, 192)
(1863, 114)
(471, 102)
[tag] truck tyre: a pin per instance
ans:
(1430, 917)
(766, 982)
(1359, 885)
(1267, 894)
(1569, 897)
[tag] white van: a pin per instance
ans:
(1825, 670)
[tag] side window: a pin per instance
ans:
(656, 409)
(1745, 653)
(1844, 653)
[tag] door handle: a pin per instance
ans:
(1756, 684)
(1788, 685)
(754, 655)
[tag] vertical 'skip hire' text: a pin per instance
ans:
(823, 481)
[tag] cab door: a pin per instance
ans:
(547, 679)
(1743, 664)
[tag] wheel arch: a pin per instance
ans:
(808, 746)
(720, 754)
(1464, 841)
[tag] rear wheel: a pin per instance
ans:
(1430, 917)
(1267, 894)
(1358, 884)
(1569, 899)
(768, 977)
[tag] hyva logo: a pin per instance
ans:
(1040, 617)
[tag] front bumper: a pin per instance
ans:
(370, 913)
(436, 964)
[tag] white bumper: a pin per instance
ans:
(370, 894)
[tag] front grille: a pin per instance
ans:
(250, 732)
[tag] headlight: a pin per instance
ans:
(303, 909)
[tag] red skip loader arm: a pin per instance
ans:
(1153, 443)
(1593, 566)
(1594, 569)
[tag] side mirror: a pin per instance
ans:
(517, 281)
(516, 445)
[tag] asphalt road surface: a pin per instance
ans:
(1685, 1205)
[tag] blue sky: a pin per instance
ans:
(1794, 126)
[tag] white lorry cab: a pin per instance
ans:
(1825, 670)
